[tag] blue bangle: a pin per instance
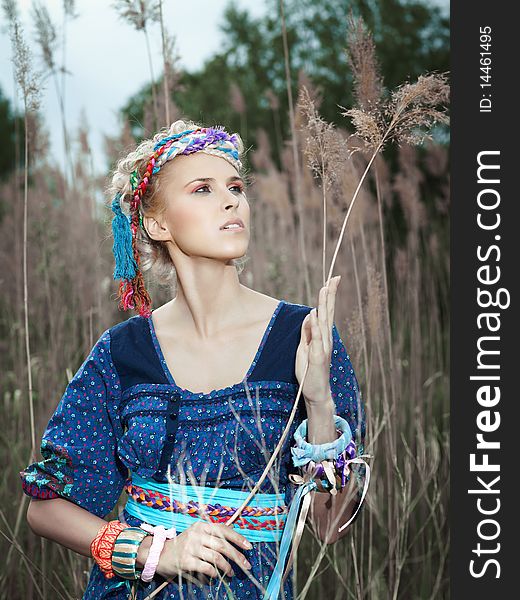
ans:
(305, 452)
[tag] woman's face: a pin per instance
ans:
(201, 193)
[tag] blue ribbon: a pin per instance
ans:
(305, 452)
(275, 583)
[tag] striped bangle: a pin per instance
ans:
(125, 551)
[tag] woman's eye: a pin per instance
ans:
(205, 188)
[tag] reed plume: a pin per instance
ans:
(141, 14)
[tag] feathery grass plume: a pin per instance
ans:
(414, 108)
(325, 148)
(409, 115)
(29, 81)
(140, 14)
(171, 75)
(401, 262)
(45, 34)
(69, 9)
(47, 38)
(436, 159)
(361, 57)
(237, 99)
(326, 153)
(10, 9)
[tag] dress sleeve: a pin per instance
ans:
(345, 390)
(347, 397)
(79, 445)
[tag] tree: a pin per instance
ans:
(411, 37)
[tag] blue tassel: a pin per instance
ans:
(126, 267)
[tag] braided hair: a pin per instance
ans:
(135, 191)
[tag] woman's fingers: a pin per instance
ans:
(224, 547)
(331, 303)
(227, 533)
(215, 561)
(325, 317)
(306, 331)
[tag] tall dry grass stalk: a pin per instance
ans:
(141, 14)
(296, 159)
(47, 38)
(388, 279)
(29, 88)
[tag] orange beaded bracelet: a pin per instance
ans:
(102, 546)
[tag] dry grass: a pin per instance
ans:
(392, 313)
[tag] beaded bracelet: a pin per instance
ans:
(125, 551)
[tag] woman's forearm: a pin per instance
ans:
(328, 512)
(64, 522)
(71, 526)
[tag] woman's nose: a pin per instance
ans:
(231, 199)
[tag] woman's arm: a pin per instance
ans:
(64, 522)
(71, 526)
(327, 512)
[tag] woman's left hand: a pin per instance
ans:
(316, 346)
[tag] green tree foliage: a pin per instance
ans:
(8, 124)
(411, 37)
(11, 127)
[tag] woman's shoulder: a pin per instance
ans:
(131, 326)
(288, 307)
(133, 352)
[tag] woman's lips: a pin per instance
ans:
(236, 229)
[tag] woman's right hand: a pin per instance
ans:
(202, 548)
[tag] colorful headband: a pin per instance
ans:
(132, 291)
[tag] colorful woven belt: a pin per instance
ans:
(262, 520)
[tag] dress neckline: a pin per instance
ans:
(186, 391)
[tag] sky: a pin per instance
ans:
(108, 62)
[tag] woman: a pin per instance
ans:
(161, 406)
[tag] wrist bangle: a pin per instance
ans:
(102, 546)
(305, 452)
(125, 552)
(160, 535)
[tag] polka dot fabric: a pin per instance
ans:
(79, 444)
(104, 430)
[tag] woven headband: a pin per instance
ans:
(132, 291)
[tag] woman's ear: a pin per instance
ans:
(155, 229)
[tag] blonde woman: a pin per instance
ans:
(182, 406)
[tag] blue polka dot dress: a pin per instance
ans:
(123, 413)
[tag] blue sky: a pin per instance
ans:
(108, 62)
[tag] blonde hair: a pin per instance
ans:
(154, 255)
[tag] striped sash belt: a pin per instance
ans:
(265, 519)
(179, 506)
